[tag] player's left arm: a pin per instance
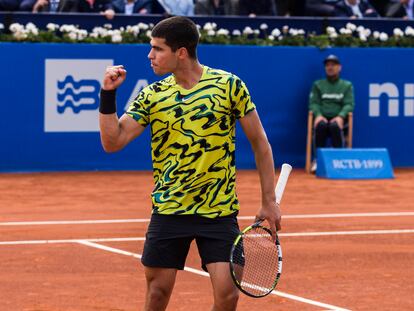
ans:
(348, 106)
(348, 102)
(256, 135)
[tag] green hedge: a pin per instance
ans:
(349, 36)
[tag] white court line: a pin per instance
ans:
(71, 241)
(293, 234)
(145, 220)
(340, 215)
(72, 222)
(360, 232)
(203, 273)
(109, 249)
(308, 301)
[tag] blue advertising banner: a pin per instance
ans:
(49, 101)
(354, 163)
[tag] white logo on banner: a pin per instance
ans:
(357, 164)
(72, 94)
(390, 90)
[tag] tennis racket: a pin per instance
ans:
(255, 258)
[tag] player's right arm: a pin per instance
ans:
(115, 133)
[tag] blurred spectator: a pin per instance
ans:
(130, 7)
(380, 6)
(252, 8)
(104, 7)
(355, 9)
(9, 5)
(178, 7)
(321, 7)
(290, 7)
(401, 8)
(216, 7)
(49, 6)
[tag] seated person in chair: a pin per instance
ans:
(331, 100)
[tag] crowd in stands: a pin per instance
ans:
(340, 8)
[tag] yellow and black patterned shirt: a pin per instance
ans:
(193, 142)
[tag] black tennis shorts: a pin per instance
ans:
(169, 237)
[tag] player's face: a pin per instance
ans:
(332, 69)
(163, 59)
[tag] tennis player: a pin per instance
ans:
(192, 115)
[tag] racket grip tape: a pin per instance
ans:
(282, 181)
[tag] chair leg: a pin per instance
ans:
(309, 143)
(350, 129)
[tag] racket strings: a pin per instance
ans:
(257, 259)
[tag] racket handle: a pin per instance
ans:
(282, 181)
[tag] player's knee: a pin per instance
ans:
(334, 127)
(158, 293)
(321, 127)
(227, 301)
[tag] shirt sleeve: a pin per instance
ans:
(240, 98)
(190, 8)
(139, 108)
(348, 102)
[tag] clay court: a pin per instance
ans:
(72, 241)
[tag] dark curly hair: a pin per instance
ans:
(178, 32)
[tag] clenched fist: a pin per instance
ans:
(114, 77)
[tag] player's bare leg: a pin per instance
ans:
(160, 283)
(225, 292)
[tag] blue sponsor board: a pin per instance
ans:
(50, 101)
(354, 163)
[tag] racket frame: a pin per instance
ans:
(279, 266)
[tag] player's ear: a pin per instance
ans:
(182, 53)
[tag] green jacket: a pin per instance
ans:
(331, 99)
